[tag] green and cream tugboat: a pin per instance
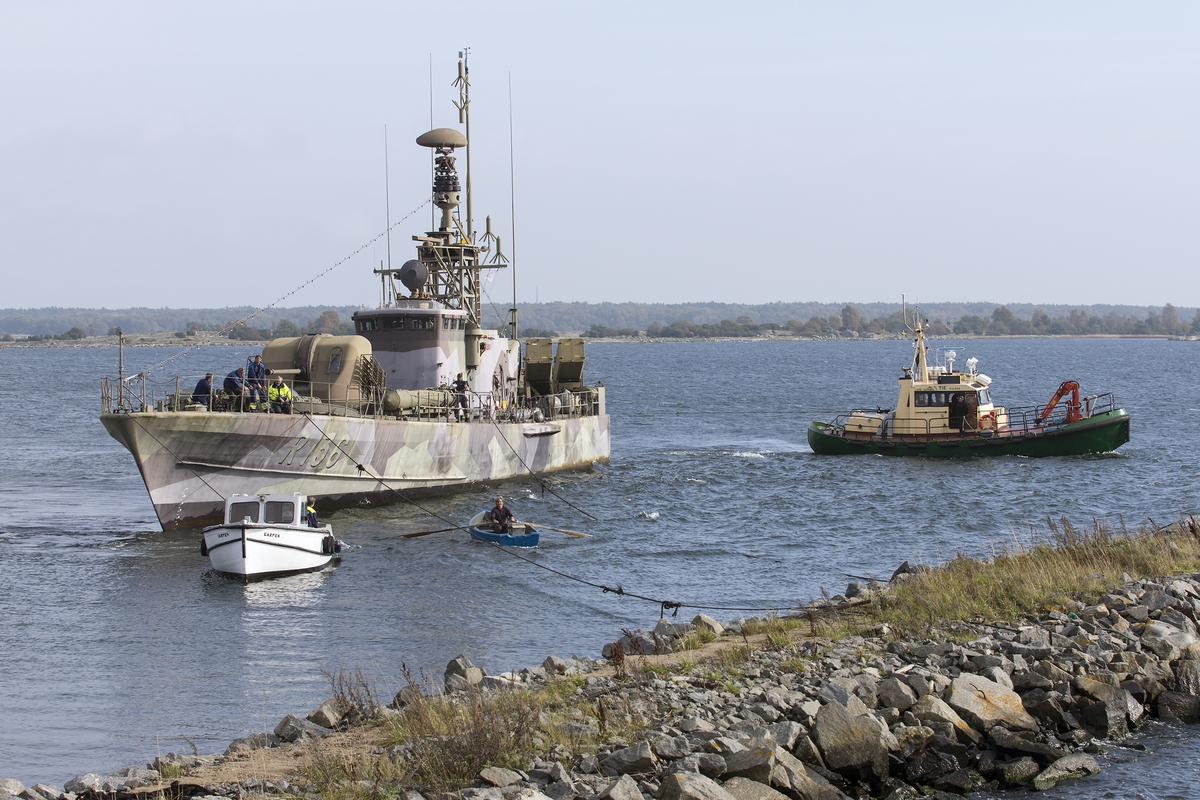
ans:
(943, 412)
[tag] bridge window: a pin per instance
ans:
(335, 362)
(367, 324)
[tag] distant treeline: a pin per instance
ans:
(707, 320)
(1001, 322)
(100, 322)
(576, 317)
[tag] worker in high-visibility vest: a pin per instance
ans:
(279, 396)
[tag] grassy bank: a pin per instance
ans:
(439, 743)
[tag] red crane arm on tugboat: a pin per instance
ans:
(1073, 413)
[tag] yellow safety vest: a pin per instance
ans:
(279, 394)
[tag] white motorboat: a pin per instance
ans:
(264, 536)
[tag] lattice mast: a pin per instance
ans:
(449, 260)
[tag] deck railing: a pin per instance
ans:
(139, 394)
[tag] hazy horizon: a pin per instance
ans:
(204, 155)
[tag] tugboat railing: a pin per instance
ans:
(1025, 420)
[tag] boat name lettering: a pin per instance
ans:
(271, 534)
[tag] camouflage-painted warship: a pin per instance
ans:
(374, 415)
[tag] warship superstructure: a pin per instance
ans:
(375, 416)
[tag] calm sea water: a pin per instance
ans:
(116, 641)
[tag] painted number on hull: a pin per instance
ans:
(323, 455)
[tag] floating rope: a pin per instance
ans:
(231, 325)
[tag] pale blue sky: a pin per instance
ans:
(205, 154)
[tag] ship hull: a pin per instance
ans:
(1101, 433)
(191, 461)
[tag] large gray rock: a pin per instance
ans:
(692, 786)
(670, 748)
(11, 786)
(1178, 707)
(639, 642)
(255, 741)
(329, 713)
(1114, 697)
(756, 761)
(91, 782)
(708, 623)
(293, 729)
(985, 704)
(791, 776)
(785, 733)
(897, 694)
(933, 711)
(500, 777)
(1166, 641)
(746, 789)
(1076, 765)
(1187, 676)
(1017, 771)
(42, 791)
(623, 788)
(851, 746)
(635, 759)
(910, 740)
(1010, 742)
(135, 777)
(1103, 721)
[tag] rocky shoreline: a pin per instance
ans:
(995, 704)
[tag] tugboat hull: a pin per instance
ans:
(1101, 433)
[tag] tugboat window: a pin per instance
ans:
(445, 323)
(241, 511)
(335, 362)
(366, 324)
(279, 512)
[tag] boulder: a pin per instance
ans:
(1187, 676)
(1166, 641)
(705, 622)
(623, 788)
(1010, 742)
(500, 777)
(746, 789)
(961, 781)
(91, 782)
(929, 765)
(667, 630)
(785, 733)
(692, 786)
(459, 666)
(910, 740)
(1016, 771)
(931, 709)
(11, 786)
(791, 776)
(329, 713)
(1115, 697)
(635, 643)
(637, 758)
(711, 764)
(293, 729)
(1103, 721)
(670, 748)
(1178, 707)
(255, 741)
(42, 791)
(134, 778)
(897, 694)
(1076, 765)
(555, 666)
(986, 704)
(756, 761)
(559, 790)
(852, 746)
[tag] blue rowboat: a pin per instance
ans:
(523, 535)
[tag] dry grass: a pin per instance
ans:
(1027, 578)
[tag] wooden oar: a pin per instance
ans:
(576, 534)
(439, 530)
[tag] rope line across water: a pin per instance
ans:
(664, 605)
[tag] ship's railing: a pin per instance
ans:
(142, 394)
(1013, 421)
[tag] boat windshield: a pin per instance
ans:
(278, 511)
(241, 511)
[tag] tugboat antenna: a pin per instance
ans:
(463, 82)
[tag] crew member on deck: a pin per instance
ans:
(202, 394)
(310, 513)
(958, 412)
(256, 382)
(501, 517)
(464, 407)
(235, 384)
(280, 397)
